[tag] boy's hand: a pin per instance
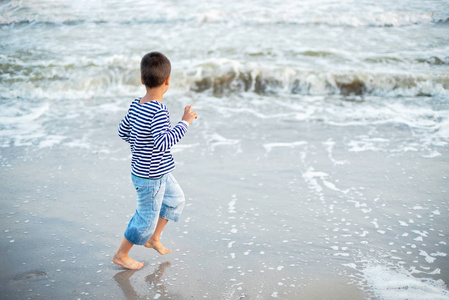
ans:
(189, 115)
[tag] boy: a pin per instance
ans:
(147, 129)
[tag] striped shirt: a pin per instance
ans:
(147, 128)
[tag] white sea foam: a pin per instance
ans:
(216, 139)
(51, 140)
(330, 144)
(391, 283)
(310, 176)
(231, 205)
(268, 147)
(367, 144)
(427, 257)
(20, 125)
(7, 119)
(78, 144)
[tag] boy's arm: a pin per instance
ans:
(164, 137)
(124, 129)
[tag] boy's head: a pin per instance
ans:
(154, 69)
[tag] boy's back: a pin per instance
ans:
(147, 128)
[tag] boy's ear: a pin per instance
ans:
(167, 81)
(141, 80)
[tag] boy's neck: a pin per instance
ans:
(154, 94)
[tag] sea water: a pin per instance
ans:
(321, 148)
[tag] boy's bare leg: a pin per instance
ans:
(122, 258)
(155, 240)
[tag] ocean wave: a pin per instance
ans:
(443, 21)
(33, 22)
(289, 80)
(431, 61)
(204, 19)
(119, 75)
(257, 14)
(70, 78)
(72, 13)
(387, 20)
(76, 22)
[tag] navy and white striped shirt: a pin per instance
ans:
(147, 129)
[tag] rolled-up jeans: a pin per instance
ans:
(156, 198)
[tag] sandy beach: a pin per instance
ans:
(253, 227)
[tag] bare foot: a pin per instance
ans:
(156, 245)
(127, 262)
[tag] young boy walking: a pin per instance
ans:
(147, 129)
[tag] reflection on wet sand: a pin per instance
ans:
(155, 283)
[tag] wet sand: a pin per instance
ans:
(264, 218)
(63, 220)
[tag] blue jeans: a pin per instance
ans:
(161, 197)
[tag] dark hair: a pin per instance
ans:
(154, 69)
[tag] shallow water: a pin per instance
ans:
(320, 157)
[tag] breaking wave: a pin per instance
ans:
(289, 80)
(117, 76)
(350, 21)
(303, 14)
